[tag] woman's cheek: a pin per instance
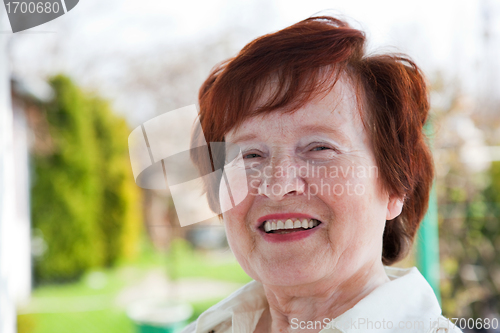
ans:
(235, 222)
(240, 245)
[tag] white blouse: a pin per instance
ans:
(405, 304)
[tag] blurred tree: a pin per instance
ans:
(120, 213)
(84, 200)
(468, 195)
(491, 229)
(66, 191)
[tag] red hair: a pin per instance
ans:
(306, 60)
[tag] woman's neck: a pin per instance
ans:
(327, 298)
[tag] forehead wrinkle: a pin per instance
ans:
(346, 106)
(340, 102)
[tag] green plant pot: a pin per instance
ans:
(158, 316)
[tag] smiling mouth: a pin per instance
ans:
(288, 226)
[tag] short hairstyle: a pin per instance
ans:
(304, 61)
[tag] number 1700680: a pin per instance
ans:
(32, 7)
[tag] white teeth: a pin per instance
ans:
(289, 224)
(267, 226)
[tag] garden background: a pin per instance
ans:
(89, 243)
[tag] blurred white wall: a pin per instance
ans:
(7, 210)
(15, 257)
(20, 239)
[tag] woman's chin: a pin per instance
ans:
(288, 276)
(284, 269)
(287, 280)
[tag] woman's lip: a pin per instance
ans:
(292, 236)
(282, 216)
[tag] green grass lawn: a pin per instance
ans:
(89, 305)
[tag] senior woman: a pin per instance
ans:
(338, 176)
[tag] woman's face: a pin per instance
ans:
(317, 165)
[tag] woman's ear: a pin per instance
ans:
(394, 207)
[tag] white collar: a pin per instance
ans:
(407, 297)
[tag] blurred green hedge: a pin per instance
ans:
(85, 203)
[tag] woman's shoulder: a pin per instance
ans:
(406, 303)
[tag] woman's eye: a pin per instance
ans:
(252, 155)
(319, 148)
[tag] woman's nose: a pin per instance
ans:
(281, 179)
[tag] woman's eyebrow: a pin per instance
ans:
(319, 128)
(313, 128)
(244, 137)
